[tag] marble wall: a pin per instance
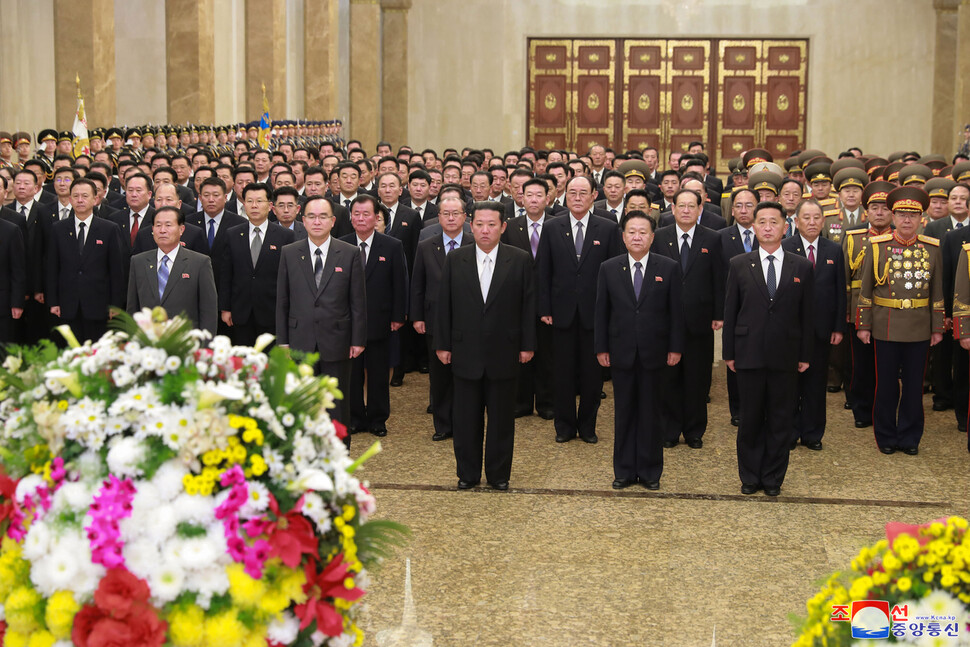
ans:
(27, 65)
(140, 61)
(870, 76)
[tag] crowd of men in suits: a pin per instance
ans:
(521, 282)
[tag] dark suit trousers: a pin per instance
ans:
(35, 324)
(374, 362)
(734, 400)
(7, 331)
(767, 425)
(84, 329)
(535, 377)
(341, 371)
(961, 382)
(863, 378)
(497, 397)
(686, 387)
(638, 445)
(244, 333)
(442, 390)
(839, 364)
(577, 371)
(905, 363)
(810, 420)
(941, 371)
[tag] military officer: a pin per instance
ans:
(961, 303)
(766, 185)
(900, 311)
(794, 170)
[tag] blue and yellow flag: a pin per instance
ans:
(265, 123)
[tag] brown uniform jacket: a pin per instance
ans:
(961, 295)
(901, 297)
(854, 244)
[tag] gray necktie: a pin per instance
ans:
(747, 241)
(255, 247)
(579, 239)
(318, 267)
(637, 279)
(771, 282)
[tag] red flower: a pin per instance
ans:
(291, 535)
(121, 615)
(340, 428)
(321, 589)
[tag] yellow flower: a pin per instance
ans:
(904, 584)
(22, 608)
(14, 639)
(274, 602)
(59, 616)
(224, 630)
(259, 465)
(256, 638)
(880, 579)
(891, 563)
(186, 627)
(245, 591)
(41, 639)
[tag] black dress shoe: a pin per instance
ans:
(441, 436)
(736, 421)
(862, 424)
(909, 451)
(747, 488)
(591, 439)
(833, 389)
(397, 381)
(847, 405)
(695, 443)
(423, 369)
(887, 450)
(815, 446)
(521, 413)
(380, 432)
(501, 485)
(772, 491)
(466, 485)
(619, 484)
(793, 445)
(602, 395)
(941, 406)
(652, 485)
(547, 414)
(352, 430)
(962, 427)
(708, 398)
(670, 443)
(564, 438)
(429, 409)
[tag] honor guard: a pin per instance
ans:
(794, 170)
(6, 150)
(900, 310)
(47, 139)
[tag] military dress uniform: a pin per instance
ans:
(862, 375)
(901, 304)
(961, 301)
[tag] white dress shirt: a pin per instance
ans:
(954, 221)
(370, 245)
(87, 227)
(324, 250)
(690, 236)
(480, 257)
(391, 214)
(171, 257)
(61, 213)
(141, 217)
(262, 232)
(633, 270)
(217, 218)
(779, 256)
(805, 243)
(345, 198)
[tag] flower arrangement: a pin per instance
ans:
(159, 487)
(923, 572)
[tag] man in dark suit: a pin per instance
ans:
(419, 186)
(709, 218)
(315, 183)
(387, 294)
(321, 304)
(172, 277)
(250, 263)
(85, 267)
(571, 250)
(951, 248)
(138, 210)
(829, 318)
(485, 327)
(35, 323)
(536, 377)
(697, 250)
(768, 336)
(13, 280)
(165, 195)
(736, 239)
(286, 207)
(425, 284)
(639, 330)
(60, 209)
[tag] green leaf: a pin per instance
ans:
(188, 530)
(377, 540)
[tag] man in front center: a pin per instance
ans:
(484, 328)
(768, 336)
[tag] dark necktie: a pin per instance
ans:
(212, 232)
(684, 252)
(579, 239)
(811, 254)
(772, 282)
(134, 227)
(534, 239)
(23, 211)
(791, 228)
(959, 225)
(419, 210)
(363, 253)
(347, 203)
(613, 211)
(80, 238)
(637, 279)
(521, 211)
(451, 247)
(747, 241)
(318, 267)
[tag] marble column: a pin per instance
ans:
(394, 96)
(84, 47)
(266, 58)
(190, 61)
(961, 84)
(365, 84)
(944, 72)
(321, 69)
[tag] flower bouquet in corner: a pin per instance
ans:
(158, 488)
(913, 587)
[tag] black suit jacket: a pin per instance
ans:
(426, 280)
(122, 218)
(732, 244)
(829, 307)
(760, 333)
(387, 284)
(36, 232)
(567, 285)
(703, 294)
(647, 327)
(708, 219)
(940, 228)
(485, 336)
(85, 285)
(429, 213)
(13, 268)
(217, 252)
(518, 233)
(328, 319)
(248, 291)
(406, 228)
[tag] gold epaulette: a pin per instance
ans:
(826, 201)
(654, 205)
(806, 195)
(929, 240)
(855, 232)
(831, 213)
(726, 194)
(881, 239)
(966, 246)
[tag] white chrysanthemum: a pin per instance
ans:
(198, 552)
(65, 565)
(288, 419)
(167, 582)
(343, 640)
(90, 466)
(75, 496)
(257, 500)
(283, 629)
(173, 363)
(315, 509)
(122, 376)
(37, 542)
(125, 455)
(209, 582)
(194, 509)
(28, 486)
(168, 479)
(142, 556)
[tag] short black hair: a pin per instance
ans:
(630, 215)
(253, 186)
(214, 180)
(419, 174)
(537, 182)
(83, 181)
(669, 171)
(489, 205)
(180, 217)
(769, 204)
(692, 192)
(148, 180)
(287, 190)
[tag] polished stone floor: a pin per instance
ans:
(562, 559)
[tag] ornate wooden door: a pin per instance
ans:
(594, 74)
(644, 97)
(689, 80)
(550, 77)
